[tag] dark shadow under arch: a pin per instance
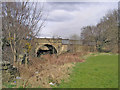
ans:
(51, 50)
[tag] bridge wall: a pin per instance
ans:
(57, 43)
(62, 45)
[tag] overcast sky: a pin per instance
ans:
(67, 18)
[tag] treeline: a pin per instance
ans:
(104, 35)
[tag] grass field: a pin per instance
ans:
(97, 72)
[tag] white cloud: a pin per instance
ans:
(60, 15)
(64, 22)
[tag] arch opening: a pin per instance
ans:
(50, 50)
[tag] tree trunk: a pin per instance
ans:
(15, 59)
(26, 60)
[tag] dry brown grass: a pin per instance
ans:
(49, 68)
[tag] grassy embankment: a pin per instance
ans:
(99, 71)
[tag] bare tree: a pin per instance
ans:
(104, 34)
(22, 21)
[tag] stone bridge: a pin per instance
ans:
(59, 45)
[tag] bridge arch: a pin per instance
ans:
(46, 49)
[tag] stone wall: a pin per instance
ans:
(9, 72)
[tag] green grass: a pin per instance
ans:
(97, 72)
(9, 85)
